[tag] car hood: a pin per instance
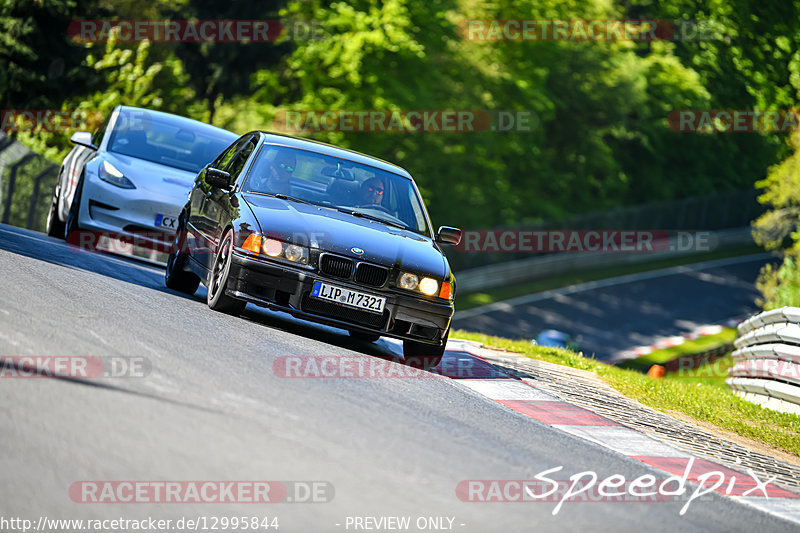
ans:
(162, 180)
(337, 232)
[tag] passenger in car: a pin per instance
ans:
(371, 192)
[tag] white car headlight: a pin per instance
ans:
(109, 173)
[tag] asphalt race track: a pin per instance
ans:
(213, 408)
(619, 314)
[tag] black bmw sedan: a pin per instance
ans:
(326, 234)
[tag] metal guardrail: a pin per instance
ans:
(696, 360)
(714, 212)
(546, 265)
(766, 368)
(26, 182)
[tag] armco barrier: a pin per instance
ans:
(766, 368)
(547, 265)
(695, 360)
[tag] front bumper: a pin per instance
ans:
(287, 288)
(132, 212)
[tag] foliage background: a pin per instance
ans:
(600, 139)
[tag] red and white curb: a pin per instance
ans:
(526, 399)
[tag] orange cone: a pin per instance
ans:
(656, 372)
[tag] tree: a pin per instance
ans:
(781, 223)
(223, 69)
(39, 65)
(600, 136)
(129, 77)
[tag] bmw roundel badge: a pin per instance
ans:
(357, 251)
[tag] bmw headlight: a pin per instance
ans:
(412, 282)
(295, 253)
(429, 286)
(276, 249)
(408, 281)
(110, 174)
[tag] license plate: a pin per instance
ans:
(344, 296)
(165, 221)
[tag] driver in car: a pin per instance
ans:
(276, 180)
(371, 192)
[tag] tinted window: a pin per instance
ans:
(338, 183)
(225, 157)
(151, 137)
(237, 164)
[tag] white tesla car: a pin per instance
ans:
(132, 176)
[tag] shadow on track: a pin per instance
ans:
(54, 251)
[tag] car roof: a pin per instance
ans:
(335, 151)
(178, 119)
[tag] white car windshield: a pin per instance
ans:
(329, 181)
(174, 143)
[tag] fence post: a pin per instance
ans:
(12, 182)
(5, 143)
(35, 195)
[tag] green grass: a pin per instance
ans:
(701, 401)
(469, 300)
(714, 373)
(700, 344)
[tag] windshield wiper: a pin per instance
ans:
(373, 217)
(281, 196)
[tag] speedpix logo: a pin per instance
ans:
(587, 486)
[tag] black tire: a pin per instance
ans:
(54, 226)
(175, 276)
(364, 336)
(218, 280)
(425, 356)
(73, 224)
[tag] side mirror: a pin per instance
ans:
(218, 178)
(448, 235)
(83, 138)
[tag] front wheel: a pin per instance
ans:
(217, 299)
(175, 276)
(73, 224)
(54, 227)
(422, 355)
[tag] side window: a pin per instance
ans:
(418, 218)
(97, 138)
(222, 161)
(237, 164)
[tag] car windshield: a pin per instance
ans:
(361, 190)
(179, 144)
